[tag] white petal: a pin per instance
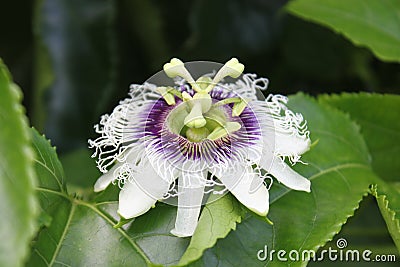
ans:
(191, 191)
(139, 195)
(284, 174)
(285, 130)
(247, 187)
(291, 144)
(106, 179)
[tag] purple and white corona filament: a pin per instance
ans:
(188, 139)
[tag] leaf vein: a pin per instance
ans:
(345, 141)
(41, 256)
(52, 173)
(46, 190)
(58, 247)
(122, 232)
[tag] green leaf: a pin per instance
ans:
(18, 204)
(370, 23)
(152, 230)
(217, 219)
(75, 67)
(80, 169)
(79, 233)
(152, 233)
(47, 166)
(389, 204)
(378, 116)
(340, 174)
(366, 230)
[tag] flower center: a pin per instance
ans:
(198, 118)
(214, 120)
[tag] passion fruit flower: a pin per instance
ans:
(187, 140)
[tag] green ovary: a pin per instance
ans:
(197, 134)
(215, 118)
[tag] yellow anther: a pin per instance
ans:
(174, 67)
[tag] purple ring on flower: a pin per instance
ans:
(174, 147)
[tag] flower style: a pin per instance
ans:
(187, 140)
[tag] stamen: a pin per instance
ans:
(169, 93)
(220, 132)
(186, 97)
(227, 101)
(238, 107)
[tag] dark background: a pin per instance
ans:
(94, 49)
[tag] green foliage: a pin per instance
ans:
(378, 116)
(80, 168)
(379, 32)
(80, 228)
(18, 203)
(79, 234)
(340, 173)
(152, 234)
(389, 203)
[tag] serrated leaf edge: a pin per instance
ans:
(27, 150)
(374, 192)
